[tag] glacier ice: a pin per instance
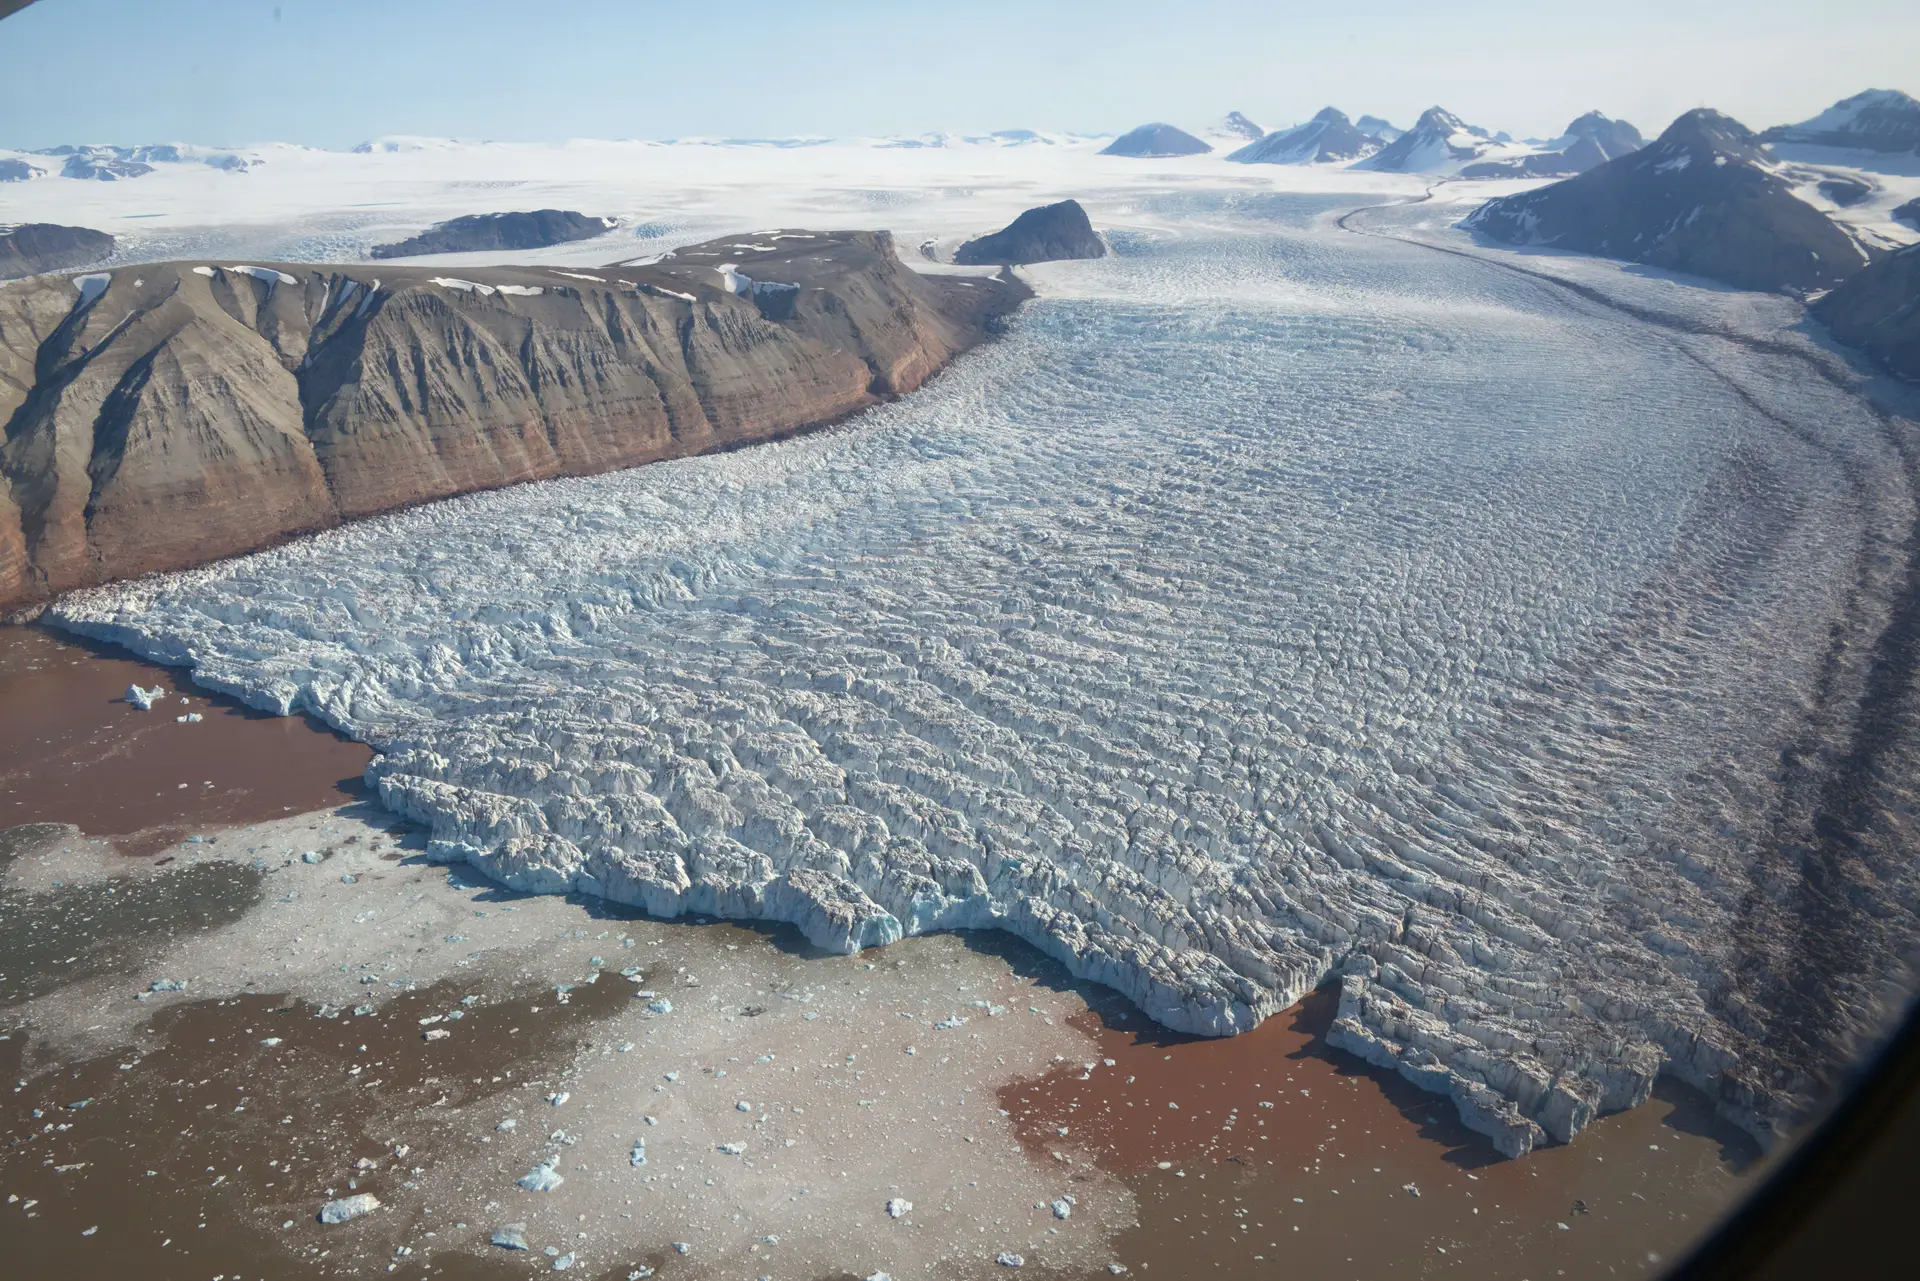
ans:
(1277, 608)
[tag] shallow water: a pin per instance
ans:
(1270, 602)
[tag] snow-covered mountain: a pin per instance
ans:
(99, 162)
(1439, 142)
(1328, 137)
(1154, 141)
(1877, 120)
(1234, 129)
(1379, 128)
(1591, 140)
(1704, 198)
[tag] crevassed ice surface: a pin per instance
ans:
(1271, 604)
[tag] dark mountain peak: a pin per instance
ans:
(1332, 116)
(1702, 198)
(1046, 234)
(1378, 127)
(1883, 120)
(34, 247)
(1151, 141)
(1614, 138)
(1440, 120)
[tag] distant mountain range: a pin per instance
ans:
(1326, 138)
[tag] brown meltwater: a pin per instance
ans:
(208, 1153)
(72, 750)
(1271, 1154)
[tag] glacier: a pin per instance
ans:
(1270, 607)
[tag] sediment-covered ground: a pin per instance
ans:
(1273, 605)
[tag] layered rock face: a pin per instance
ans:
(476, 232)
(1047, 234)
(34, 247)
(1702, 199)
(164, 416)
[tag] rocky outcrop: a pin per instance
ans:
(1237, 125)
(14, 169)
(34, 247)
(1155, 141)
(1878, 311)
(1328, 137)
(1046, 234)
(1909, 213)
(1702, 199)
(478, 232)
(1378, 127)
(171, 415)
(1884, 120)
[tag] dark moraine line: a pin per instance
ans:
(1827, 836)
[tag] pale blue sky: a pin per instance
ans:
(332, 72)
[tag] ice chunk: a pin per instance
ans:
(899, 1208)
(743, 1106)
(541, 1178)
(558, 1097)
(271, 1041)
(145, 698)
(349, 1208)
(660, 1005)
(639, 1153)
(166, 985)
(508, 1124)
(1063, 1209)
(1008, 1259)
(733, 1149)
(311, 856)
(562, 1263)
(510, 1236)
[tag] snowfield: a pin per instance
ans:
(1272, 606)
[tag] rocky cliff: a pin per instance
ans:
(33, 247)
(166, 415)
(1878, 311)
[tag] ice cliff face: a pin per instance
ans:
(168, 414)
(1386, 620)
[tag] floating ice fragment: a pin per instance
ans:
(1116, 1268)
(1008, 1259)
(562, 1263)
(899, 1208)
(639, 1154)
(681, 1247)
(349, 1208)
(1063, 1209)
(144, 699)
(660, 1005)
(743, 1106)
(271, 1041)
(311, 856)
(624, 1046)
(951, 1022)
(1410, 1189)
(166, 985)
(541, 1178)
(558, 1097)
(436, 1034)
(508, 1124)
(733, 1149)
(673, 1076)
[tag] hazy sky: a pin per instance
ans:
(332, 72)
